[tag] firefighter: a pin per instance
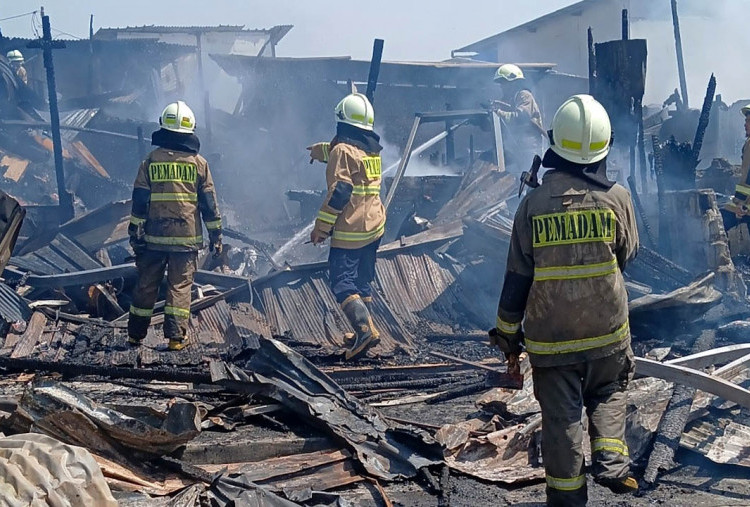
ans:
(16, 63)
(737, 210)
(522, 117)
(352, 215)
(172, 192)
(572, 237)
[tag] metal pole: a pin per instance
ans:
(404, 161)
(65, 200)
(625, 25)
(678, 48)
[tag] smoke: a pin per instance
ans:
(714, 39)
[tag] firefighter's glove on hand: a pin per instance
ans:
(509, 344)
(505, 115)
(319, 152)
(215, 245)
(318, 236)
(138, 245)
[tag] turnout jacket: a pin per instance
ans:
(172, 191)
(352, 212)
(526, 121)
(742, 190)
(571, 240)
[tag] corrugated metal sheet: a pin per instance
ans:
(299, 306)
(211, 335)
(426, 293)
(77, 118)
(61, 255)
(12, 307)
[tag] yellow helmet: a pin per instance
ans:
(581, 130)
(178, 117)
(356, 110)
(508, 72)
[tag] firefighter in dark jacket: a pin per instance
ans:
(572, 237)
(352, 215)
(172, 192)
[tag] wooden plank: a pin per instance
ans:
(285, 465)
(16, 167)
(31, 336)
(473, 364)
(712, 357)
(694, 378)
(327, 477)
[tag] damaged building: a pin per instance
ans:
(261, 408)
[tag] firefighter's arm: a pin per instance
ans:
(626, 235)
(523, 109)
(319, 152)
(519, 276)
(338, 196)
(209, 208)
(139, 208)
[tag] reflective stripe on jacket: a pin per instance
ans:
(352, 211)
(172, 191)
(570, 240)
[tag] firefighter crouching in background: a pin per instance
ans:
(522, 117)
(352, 215)
(172, 191)
(572, 237)
(737, 211)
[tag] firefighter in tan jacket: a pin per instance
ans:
(738, 210)
(172, 191)
(522, 117)
(572, 237)
(352, 215)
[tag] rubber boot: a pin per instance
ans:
(369, 304)
(622, 486)
(348, 337)
(356, 312)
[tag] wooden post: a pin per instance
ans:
(592, 63)
(204, 92)
(625, 25)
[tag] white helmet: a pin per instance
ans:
(581, 131)
(178, 117)
(14, 56)
(356, 110)
(745, 110)
(508, 72)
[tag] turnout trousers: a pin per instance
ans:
(351, 271)
(151, 264)
(563, 392)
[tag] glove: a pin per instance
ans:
(138, 245)
(317, 236)
(509, 344)
(319, 152)
(215, 245)
(505, 115)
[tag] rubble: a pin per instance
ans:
(260, 408)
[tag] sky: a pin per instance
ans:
(413, 30)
